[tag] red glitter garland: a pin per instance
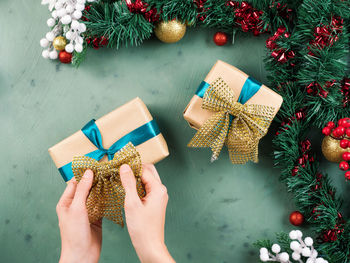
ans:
(139, 7)
(247, 17)
(326, 35)
(280, 54)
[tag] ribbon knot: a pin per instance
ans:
(239, 126)
(106, 197)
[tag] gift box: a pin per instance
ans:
(101, 139)
(242, 89)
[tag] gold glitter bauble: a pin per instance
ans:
(332, 150)
(170, 32)
(59, 43)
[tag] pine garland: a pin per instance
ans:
(306, 64)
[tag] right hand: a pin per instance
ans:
(145, 218)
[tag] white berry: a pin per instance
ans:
(53, 54)
(69, 8)
(51, 22)
(69, 48)
(50, 36)
(264, 250)
(284, 257)
(306, 252)
(299, 233)
(308, 241)
(44, 42)
(75, 24)
(45, 53)
(276, 248)
(82, 27)
(77, 14)
(54, 14)
(296, 256)
(78, 48)
(58, 5)
(61, 12)
(293, 234)
(69, 35)
(80, 7)
(264, 257)
(66, 19)
(294, 245)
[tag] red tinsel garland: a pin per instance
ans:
(247, 17)
(139, 7)
(280, 54)
(326, 35)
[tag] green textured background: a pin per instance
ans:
(216, 211)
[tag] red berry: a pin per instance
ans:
(344, 143)
(347, 132)
(340, 122)
(220, 38)
(335, 133)
(346, 156)
(346, 123)
(326, 131)
(330, 124)
(344, 166)
(339, 131)
(347, 175)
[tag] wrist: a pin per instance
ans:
(155, 253)
(71, 258)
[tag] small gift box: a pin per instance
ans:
(231, 108)
(130, 123)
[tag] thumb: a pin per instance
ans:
(129, 183)
(84, 187)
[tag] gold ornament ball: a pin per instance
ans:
(170, 32)
(332, 150)
(59, 43)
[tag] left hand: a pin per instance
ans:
(81, 241)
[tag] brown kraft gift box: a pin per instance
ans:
(113, 126)
(235, 79)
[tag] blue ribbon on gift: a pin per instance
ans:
(92, 132)
(250, 87)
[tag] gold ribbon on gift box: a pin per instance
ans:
(239, 126)
(106, 198)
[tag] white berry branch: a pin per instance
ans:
(301, 249)
(64, 22)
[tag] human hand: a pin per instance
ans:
(81, 241)
(145, 218)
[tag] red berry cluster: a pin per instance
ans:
(341, 133)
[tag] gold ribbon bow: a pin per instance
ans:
(241, 134)
(106, 198)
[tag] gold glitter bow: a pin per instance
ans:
(239, 126)
(106, 198)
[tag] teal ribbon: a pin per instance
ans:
(92, 132)
(250, 87)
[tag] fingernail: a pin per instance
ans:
(124, 168)
(88, 174)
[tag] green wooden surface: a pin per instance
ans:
(215, 210)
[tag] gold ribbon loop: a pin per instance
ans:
(106, 198)
(239, 126)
